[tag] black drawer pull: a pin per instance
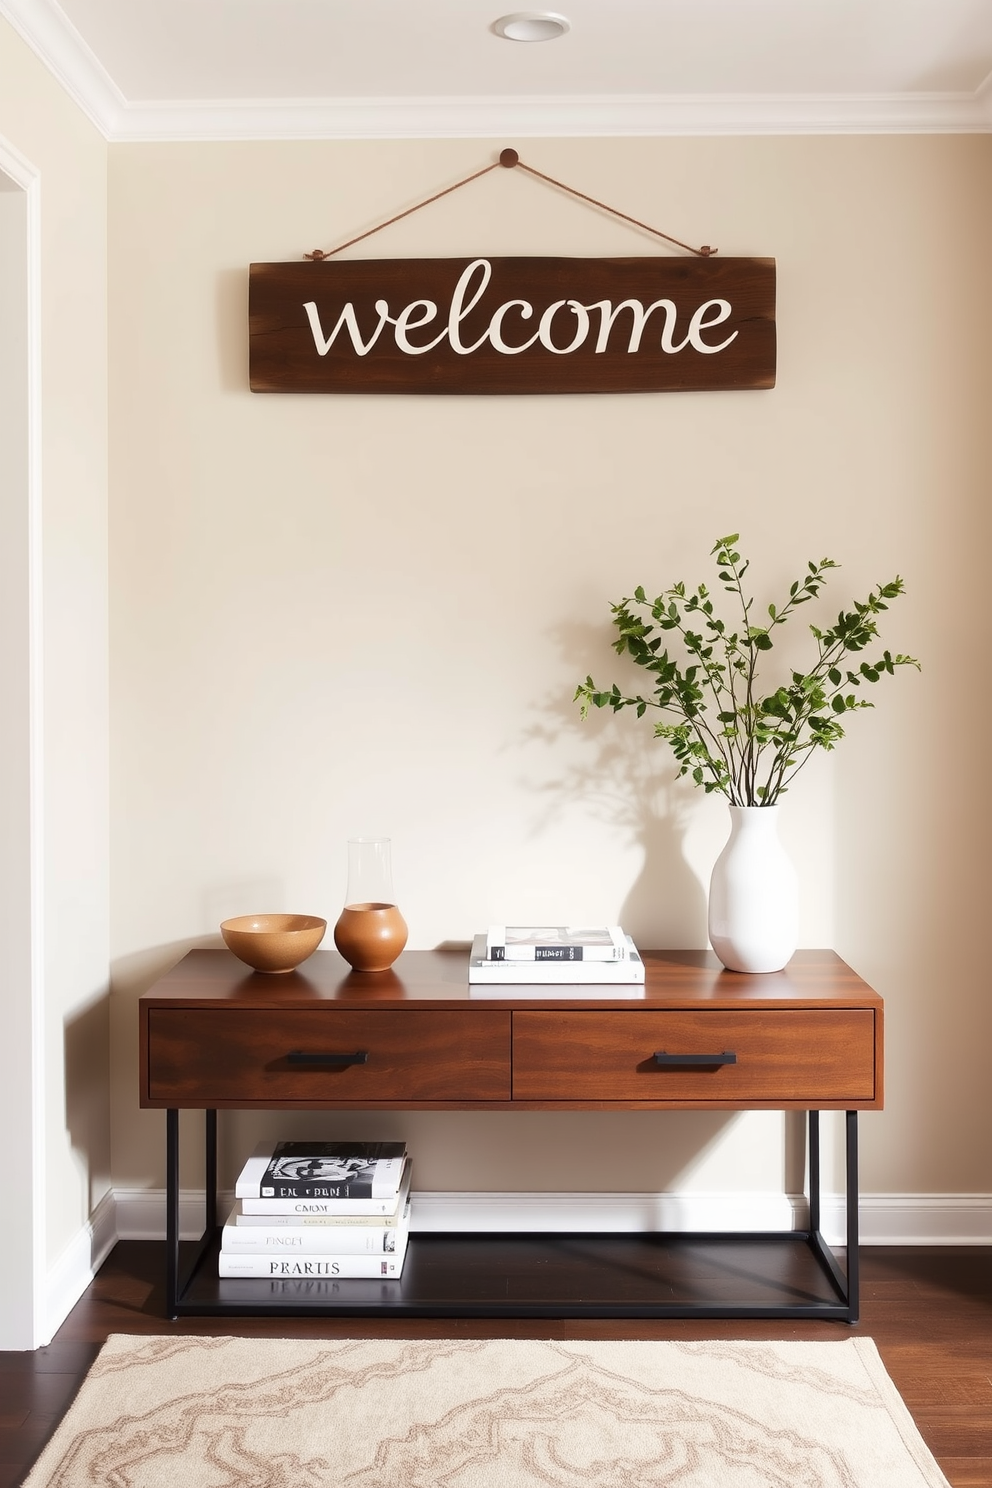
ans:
(683, 1061)
(303, 1056)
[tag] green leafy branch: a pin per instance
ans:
(729, 734)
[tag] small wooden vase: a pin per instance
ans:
(370, 936)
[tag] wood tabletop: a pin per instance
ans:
(439, 978)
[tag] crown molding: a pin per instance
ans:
(49, 33)
(558, 117)
(46, 29)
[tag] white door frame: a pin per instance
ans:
(23, 1258)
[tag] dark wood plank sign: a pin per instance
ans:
(512, 325)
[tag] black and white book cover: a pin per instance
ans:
(322, 1170)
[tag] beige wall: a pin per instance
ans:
(43, 127)
(343, 615)
(913, 795)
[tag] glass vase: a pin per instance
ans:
(370, 932)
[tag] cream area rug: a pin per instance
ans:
(188, 1412)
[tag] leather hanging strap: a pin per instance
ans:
(508, 159)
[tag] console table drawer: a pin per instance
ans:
(809, 1058)
(242, 1056)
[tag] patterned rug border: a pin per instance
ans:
(211, 1410)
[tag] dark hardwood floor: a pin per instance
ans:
(929, 1311)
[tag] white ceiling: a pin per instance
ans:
(192, 69)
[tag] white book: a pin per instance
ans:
(554, 973)
(304, 1239)
(322, 1170)
(567, 943)
(520, 992)
(348, 1221)
(314, 1264)
(312, 1206)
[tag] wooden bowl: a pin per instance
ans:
(274, 943)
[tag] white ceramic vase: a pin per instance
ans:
(754, 896)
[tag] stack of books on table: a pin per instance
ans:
(554, 954)
(329, 1209)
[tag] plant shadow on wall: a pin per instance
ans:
(737, 735)
(632, 790)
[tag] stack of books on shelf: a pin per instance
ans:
(328, 1209)
(554, 954)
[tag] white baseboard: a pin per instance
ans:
(885, 1219)
(618, 1213)
(141, 1213)
(79, 1263)
(915, 1219)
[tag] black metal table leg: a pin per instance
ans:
(175, 1284)
(814, 1172)
(171, 1213)
(845, 1284)
(853, 1233)
(210, 1171)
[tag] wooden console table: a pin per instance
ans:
(215, 1035)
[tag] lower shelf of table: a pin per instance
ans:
(527, 1275)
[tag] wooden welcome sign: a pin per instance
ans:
(512, 325)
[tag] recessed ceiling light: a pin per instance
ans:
(531, 25)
